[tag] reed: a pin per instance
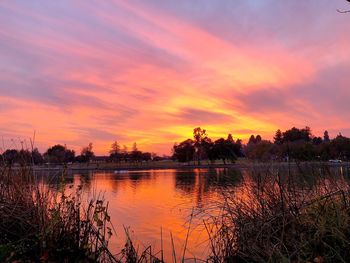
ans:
(277, 218)
(39, 223)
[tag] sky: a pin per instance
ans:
(80, 71)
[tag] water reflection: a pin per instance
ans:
(150, 200)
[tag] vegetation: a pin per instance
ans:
(86, 154)
(119, 155)
(300, 145)
(59, 154)
(202, 148)
(293, 144)
(283, 219)
(39, 223)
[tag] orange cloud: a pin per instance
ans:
(151, 72)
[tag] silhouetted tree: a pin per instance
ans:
(340, 147)
(326, 136)
(262, 150)
(146, 156)
(115, 148)
(24, 157)
(59, 154)
(199, 135)
(278, 139)
(208, 149)
(135, 154)
(239, 146)
(115, 152)
(317, 140)
(124, 153)
(184, 152)
(37, 157)
(258, 139)
(296, 134)
(252, 139)
(225, 150)
(87, 153)
(10, 156)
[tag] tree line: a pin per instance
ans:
(61, 154)
(57, 154)
(293, 144)
(298, 144)
(118, 154)
(201, 147)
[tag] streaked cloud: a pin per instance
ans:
(149, 71)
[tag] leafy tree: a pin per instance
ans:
(124, 155)
(10, 156)
(37, 157)
(59, 154)
(87, 153)
(208, 149)
(326, 136)
(184, 152)
(296, 134)
(225, 149)
(115, 148)
(115, 152)
(24, 157)
(301, 150)
(252, 140)
(278, 139)
(258, 139)
(199, 136)
(262, 150)
(146, 156)
(317, 140)
(135, 154)
(340, 147)
(230, 138)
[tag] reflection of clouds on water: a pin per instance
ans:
(149, 200)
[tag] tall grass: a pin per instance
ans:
(275, 218)
(38, 223)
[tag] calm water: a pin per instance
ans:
(151, 200)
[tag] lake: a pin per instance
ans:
(151, 202)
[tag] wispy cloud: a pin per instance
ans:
(149, 71)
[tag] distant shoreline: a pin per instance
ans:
(174, 165)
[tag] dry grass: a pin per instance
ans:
(283, 219)
(39, 223)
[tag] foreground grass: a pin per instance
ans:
(276, 219)
(38, 223)
(302, 217)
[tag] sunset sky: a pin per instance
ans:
(151, 71)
